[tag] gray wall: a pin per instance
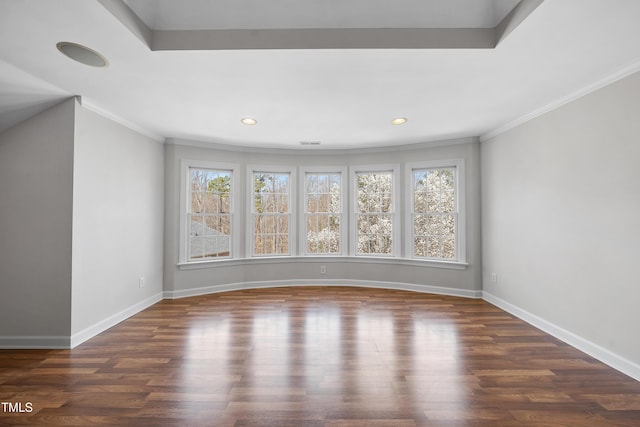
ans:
(302, 271)
(36, 177)
(82, 202)
(118, 222)
(560, 218)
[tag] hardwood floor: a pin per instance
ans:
(317, 356)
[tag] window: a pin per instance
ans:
(375, 231)
(435, 211)
(272, 220)
(323, 212)
(209, 216)
(358, 213)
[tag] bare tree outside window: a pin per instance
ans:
(210, 213)
(271, 213)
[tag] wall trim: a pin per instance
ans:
(592, 349)
(69, 342)
(228, 146)
(93, 330)
(34, 342)
(600, 353)
(329, 259)
(609, 79)
(438, 290)
(121, 121)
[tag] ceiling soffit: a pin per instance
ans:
(336, 37)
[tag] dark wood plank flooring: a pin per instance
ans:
(318, 356)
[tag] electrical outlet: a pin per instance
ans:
(494, 277)
(141, 281)
(323, 269)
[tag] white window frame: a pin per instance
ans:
(344, 196)
(460, 234)
(293, 207)
(396, 211)
(185, 202)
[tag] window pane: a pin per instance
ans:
(448, 179)
(271, 210)
(258, 203)
(269, 224)
(225, 224)
(211, 202)
(312, 184)
(385, 199)
(449, 247)
(434, 245)
(434, 195)
(282, 244)
(419, 225)
(322, 210)
(364, 224)
(197, 202)
(225, 203)
(434, 225)
(312, 203)
(209, 229)
(258, 245)
(448, 224)
(282, 203)
(282, 224)
(269, 244)
(419, 202)
(324, 202)
(433, 200)
(211, 225)
(374, 220)
(448, 202)
(419, 246)
(312, 243)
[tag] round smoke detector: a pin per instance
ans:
(82, 54)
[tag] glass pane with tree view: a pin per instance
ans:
(210, 214)
(434, 213)
(323, 213)
(374, 213)
(271, 213)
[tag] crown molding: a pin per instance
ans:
(610, 79)
(124, 122)
(319, 151)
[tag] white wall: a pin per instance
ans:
(36, 176)
(118, 221)
(304, 271)
(560, 221)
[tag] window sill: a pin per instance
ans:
(450, 265)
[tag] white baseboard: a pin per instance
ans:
(34, 342)
(103, 325)
(66, 342)
(440, 290)
(602, 354)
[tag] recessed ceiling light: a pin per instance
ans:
(399, 121)
(82, 54)
(248, 121)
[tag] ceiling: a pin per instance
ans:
(257, 14)
(342, 97)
